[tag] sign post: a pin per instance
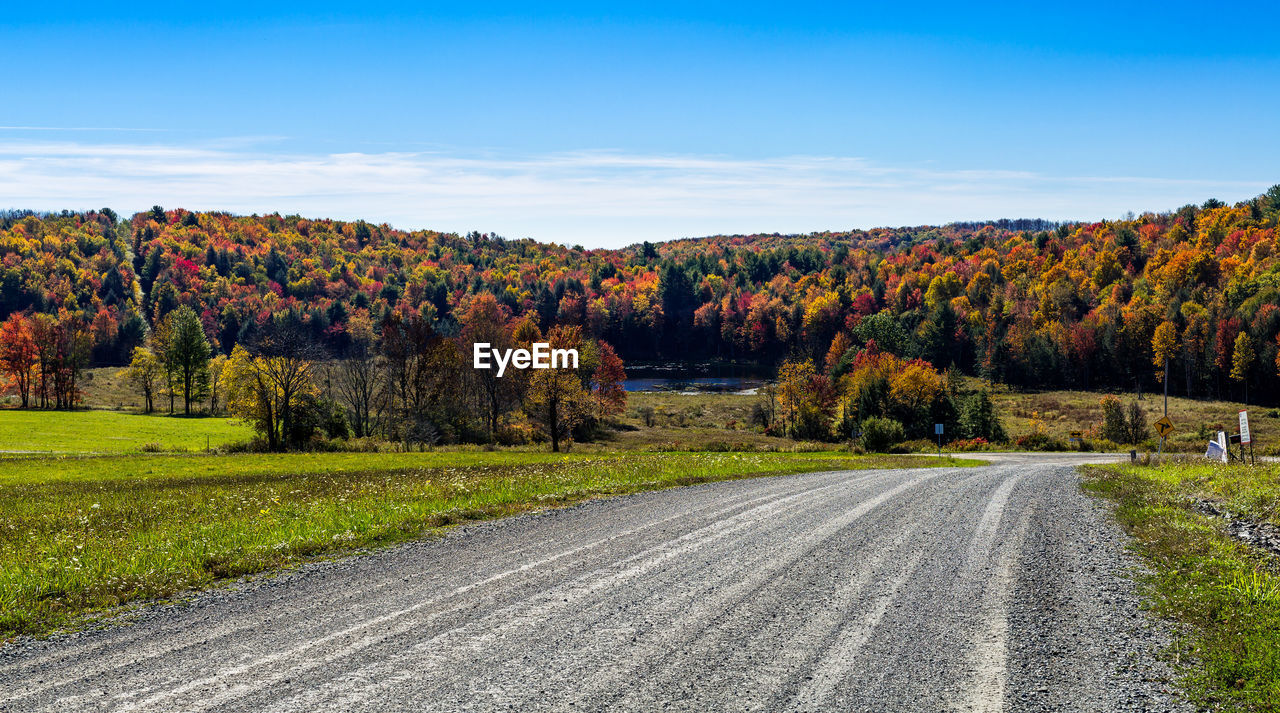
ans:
(1245, 437)
(937, 430)
(1164, 427)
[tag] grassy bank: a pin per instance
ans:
(112, 432)
(1224, 592)
(1063, 411)
(81, 535)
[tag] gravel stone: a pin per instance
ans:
(982, 589)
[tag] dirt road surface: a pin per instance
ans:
(953, 589)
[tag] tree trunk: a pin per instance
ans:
(554, 426)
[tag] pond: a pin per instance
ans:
(696, 384)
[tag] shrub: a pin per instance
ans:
(881, 434)
(916, 445)
(813, 425)
(1114, 426)
(646, 415)
(1039, 441)
(969, 444)
(1137, 424)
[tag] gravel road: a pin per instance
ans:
(971, 589)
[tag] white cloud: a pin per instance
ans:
(594, 198)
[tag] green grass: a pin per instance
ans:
(1225, 594)
(112, 432)
(83, 535)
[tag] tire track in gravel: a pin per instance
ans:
(214, 691)
(338, 598)
(868, 590)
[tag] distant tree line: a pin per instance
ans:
(1109, 305)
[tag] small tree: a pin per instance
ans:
(187, 354)
(1114, 426)
(485, 321)
(794, 379)
(270, 385)
(145, 374)
(217, 382)
(606, 383)
(161, 336)
(1137, 424)
(356, 382)
(18, 354)
(556, 398)
(881, 434)
(1242, 358)
(1164, 346)
(978, 419)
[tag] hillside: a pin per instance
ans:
(1021, 302)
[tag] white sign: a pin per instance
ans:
(1215, 451)
(1244, 427)
(1222, 444)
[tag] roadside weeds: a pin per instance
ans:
(1223, 594)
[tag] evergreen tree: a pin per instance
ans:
(188, 355)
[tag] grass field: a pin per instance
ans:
(112, 432)
(82, 535)
(1064, 411)
(1226, 594)
(694, 421)
(725, 418)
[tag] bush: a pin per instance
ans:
(813, 425)
(1114, 425)
(1039, 441)
(970, 444)
(916, 445)
(1137, 424)
(881, 434)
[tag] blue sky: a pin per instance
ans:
(652, 121)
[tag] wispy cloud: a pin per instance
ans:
(78, 128)
(597, 198)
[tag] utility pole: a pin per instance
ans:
(1166, 386)
(1160, 450)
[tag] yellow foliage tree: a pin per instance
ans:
(557, 398)
(267, 391)
(1242, 358)
(793, 381)
(145, 373)
(1164, 346)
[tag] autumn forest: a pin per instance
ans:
(1109, 305)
